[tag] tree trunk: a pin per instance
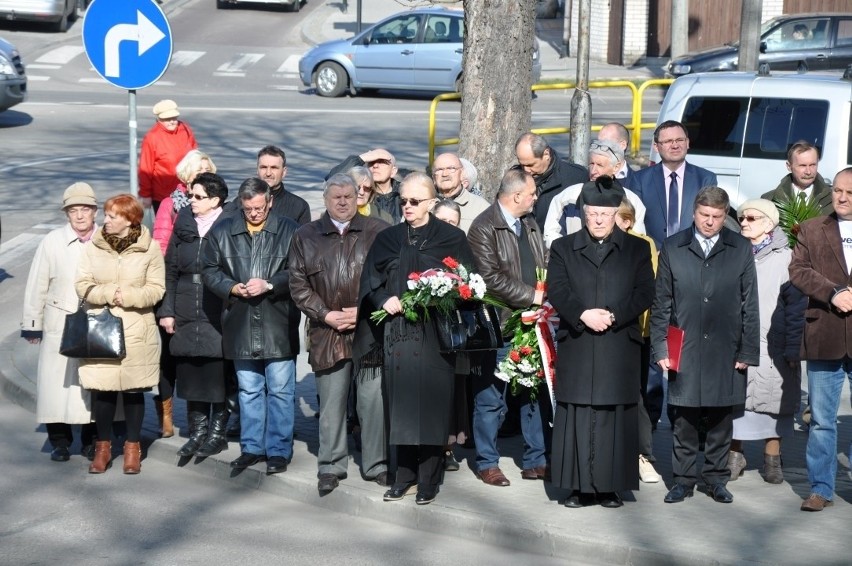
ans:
(496, 100)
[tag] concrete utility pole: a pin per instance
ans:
(581, 103)
(680, 27)
(566, 28)
(750, 35)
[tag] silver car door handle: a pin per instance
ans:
(407, 52)
(460, 50)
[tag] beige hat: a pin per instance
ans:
(765, 207)
(166, 109)
(79, 194)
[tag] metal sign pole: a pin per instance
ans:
(134, 173)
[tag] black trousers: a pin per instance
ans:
(421, 464)
(61, 434)
(718, 423)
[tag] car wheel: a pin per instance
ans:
(296, 6)
(79, 9)
(331, 79)
(459, 84)
(62, 25)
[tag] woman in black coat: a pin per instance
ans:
(419, 379)
(600, 280)
(192, 315)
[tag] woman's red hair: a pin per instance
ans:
(126, 205)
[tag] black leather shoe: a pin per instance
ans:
(610, 500)
(247, 459)
(678, 493)
(327, 483)
(88, 452)
(382, 479)
(399, 491)
(426, 496)
(276, 465)
(60, 454)
(577, 500)
(720, 493)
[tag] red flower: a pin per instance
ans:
(526, 350)
(414, 276)
(514, 356)
(465, 292)
(450, 262)
(539, 374)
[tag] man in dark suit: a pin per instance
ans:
(710, 270)
(803, 179)
(669, 188)
(820, 269)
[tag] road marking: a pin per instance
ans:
(40, 66)
(185, 58)
(60, 55)
(37, 78)
(290, 65)
(20, 247)
(237, 66)
(93, 80)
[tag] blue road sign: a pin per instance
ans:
(128, 42)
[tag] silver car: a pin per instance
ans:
(58, 13)
(414, 50)
(13, 77)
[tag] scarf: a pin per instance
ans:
(205, 222)
(121, 244)
(179, 198)
(755, 248)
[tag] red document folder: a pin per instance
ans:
(674, 341)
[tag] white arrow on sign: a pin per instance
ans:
(144, 32)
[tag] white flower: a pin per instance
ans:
(526, 367)
(412, 285)
(526, 381)
(502, 376)
(477, 285)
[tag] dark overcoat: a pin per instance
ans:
(817, 268)
(715, 301)
(418, 377)
(599, 368)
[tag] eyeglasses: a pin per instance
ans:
(197, 197)
(258, 210)
(365, 188)
(678, 141)
(412, 201)
(749, 218)
(380, 162)
(449, 170)
(596, 145)
(596, 215)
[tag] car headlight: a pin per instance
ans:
(680, 68)
(6, 67)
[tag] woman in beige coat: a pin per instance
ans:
(123, 269)
(49, 297)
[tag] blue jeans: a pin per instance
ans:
(267, 406)
(825, 383)
(489, 412)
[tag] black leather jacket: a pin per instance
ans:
(263, 327)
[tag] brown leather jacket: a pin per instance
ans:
(325, 268)
(495, 250)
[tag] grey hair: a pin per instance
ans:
(360, 174)
(419, 178)
(514, 180)
(339, 180)
(714, 197)
(469, 172)
(252, 187)
(447, 203)
(608, 149)
(538, 145)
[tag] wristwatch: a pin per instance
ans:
(612, 317)
(268, 287)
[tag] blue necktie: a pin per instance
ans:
(673, 217)
(517, 227)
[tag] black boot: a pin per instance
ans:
(197, 418)
(216, 439)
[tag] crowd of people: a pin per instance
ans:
(665, 297)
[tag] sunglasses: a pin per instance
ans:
(197, 197)
(412, 201)
(750, 218)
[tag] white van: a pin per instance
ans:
(741, 124)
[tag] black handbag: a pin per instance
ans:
(469, 329)
(93, 335)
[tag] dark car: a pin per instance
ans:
(13, 77)
(816, 42)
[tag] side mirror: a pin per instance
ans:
(763, 47)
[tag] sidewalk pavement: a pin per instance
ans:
(762, 526)
(329, 21)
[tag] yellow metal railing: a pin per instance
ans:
(635, 126)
